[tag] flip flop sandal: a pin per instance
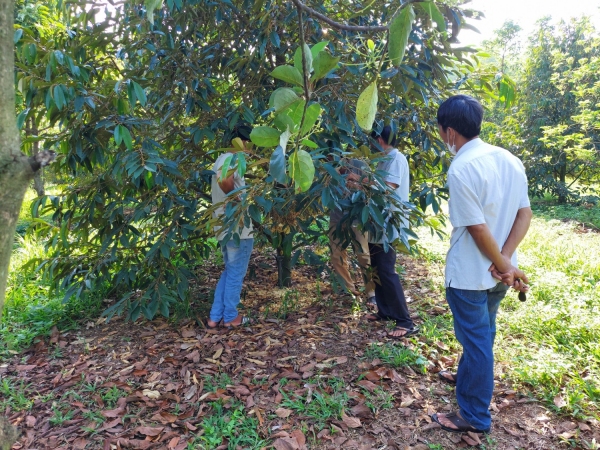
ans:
(462, 425)
(450, 380)
(245, 321)
(409, 332)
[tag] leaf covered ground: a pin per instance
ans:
(309, 373)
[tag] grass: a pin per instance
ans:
(32, 307)
(396, 356)
(549, 344)
(231, 423)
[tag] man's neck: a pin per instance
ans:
(462, 141)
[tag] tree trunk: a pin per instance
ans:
(562, 196)
(13, 170)
(284, 268)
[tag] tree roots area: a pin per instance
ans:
(308, 373)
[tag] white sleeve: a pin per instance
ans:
(464, 206)
(397, 170)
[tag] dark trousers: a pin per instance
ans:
(388, 290)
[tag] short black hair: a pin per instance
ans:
(462, 113)
(387, 135)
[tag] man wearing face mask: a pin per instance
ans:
(490, 215)
(389, 295)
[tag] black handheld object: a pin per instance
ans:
(522, 296)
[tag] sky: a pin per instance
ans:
(525, 13)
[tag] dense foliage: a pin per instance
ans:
(554, 127)
(139, 100)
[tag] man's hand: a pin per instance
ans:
(513, 277)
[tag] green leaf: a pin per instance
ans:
(432, 10)
(17, 35)
(241, 164)
(323, 64)
(288, 74)
(366, 107)
(126, 137)
(277, 165)
(295, 113)
(118, 135)
(59, 96)
(302, 170)
(312, 114)
(309, 143)
(139, 93)
(400, 29)
(315, 49)
(151, 6)
(265, 136)
(21, 118)
(283, 121)
(298, 59)
(225, 168)
(282, 98)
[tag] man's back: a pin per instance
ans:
(487, 185)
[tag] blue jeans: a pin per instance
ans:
(229, 287)
(474, 315)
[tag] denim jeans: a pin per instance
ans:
(474, 314)
(229, 287)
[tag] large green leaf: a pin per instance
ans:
(139, 93)
(322, 64)
(288, 74)
(277, 165)
(366, 107)
(302, 170)
(400, 29)
(282, 98)
(432, 10)
(283, 121)
(295, 112)
(315, 49)
(265, 136)
(151, 6)
(312, 114)
(298, 59)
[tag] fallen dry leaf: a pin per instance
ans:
(560, 402)
(286, 444)
(150, 431)
(151, 394)
(352, 422)
(283, 412)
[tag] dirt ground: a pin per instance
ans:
(160, 367)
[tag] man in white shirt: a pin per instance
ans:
(389, 295)
(490, 215)
(235, 256)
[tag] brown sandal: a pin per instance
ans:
(243, 321)
(216, 324)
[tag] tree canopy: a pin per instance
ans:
(139, 104)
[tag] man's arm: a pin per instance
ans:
(489, 247)
(518, 231)
(516, 235)
(227, 185)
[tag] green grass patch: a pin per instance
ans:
(397, 356)
(549, 344)
(228, 422)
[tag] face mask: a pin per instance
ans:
(451, 148)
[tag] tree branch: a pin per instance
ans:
(41, 159)
(337, 25)
(341, 26)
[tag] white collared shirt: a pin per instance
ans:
(218, 196)
(396, 166)
(488, 185)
